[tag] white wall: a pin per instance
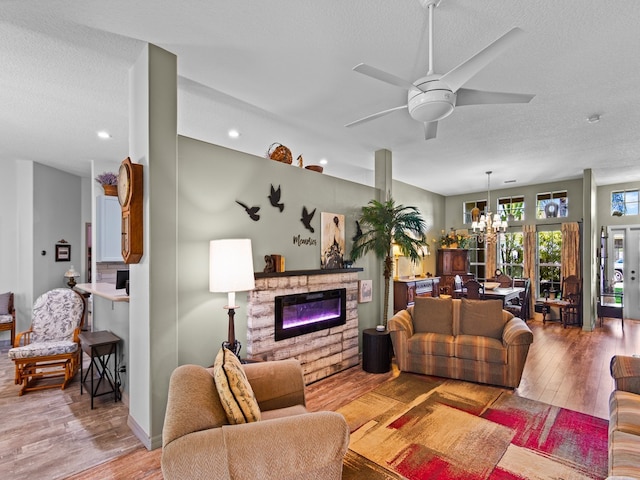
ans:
(57, 216)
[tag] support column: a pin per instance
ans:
(384, 191)
(153, 306)
(383, 174)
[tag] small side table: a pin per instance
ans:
(100, 346)
(376, 351)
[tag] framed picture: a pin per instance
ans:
(63, 253)
(332, 238)
(365, 291)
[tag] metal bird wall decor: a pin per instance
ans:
(274, 198)
(358, 232)
(306, 218)
(251, 211)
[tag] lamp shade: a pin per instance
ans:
(71, 273)
(231, 265)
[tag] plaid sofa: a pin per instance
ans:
(624, 418)
(473, 340)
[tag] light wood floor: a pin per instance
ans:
(53, 434)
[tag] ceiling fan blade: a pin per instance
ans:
(378, 74)
(466, 96)
(375, 115)
(430, 130)
(466, 70)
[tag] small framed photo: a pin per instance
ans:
(63, 253)
(365, 291)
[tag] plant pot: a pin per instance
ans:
(110, 190)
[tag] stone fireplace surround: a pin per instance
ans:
(321, 353)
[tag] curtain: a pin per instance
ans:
(570, 255)
(529, 240)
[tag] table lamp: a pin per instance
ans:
(231, 271)
(71, 274)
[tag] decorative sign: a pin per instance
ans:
(301, 241)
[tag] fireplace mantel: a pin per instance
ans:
(294, 273)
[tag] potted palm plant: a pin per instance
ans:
(384, 224)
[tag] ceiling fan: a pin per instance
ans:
(434, 96)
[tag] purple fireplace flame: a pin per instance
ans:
(303, 313)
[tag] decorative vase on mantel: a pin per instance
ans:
(110, 190)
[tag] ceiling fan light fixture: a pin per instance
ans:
(431, 106)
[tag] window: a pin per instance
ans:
(551, 205)
(477, 259)
(624, 202)
(511, 208)
(549, 267)
(468, 207)
(511, 254)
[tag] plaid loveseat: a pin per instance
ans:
(624, 418)
(473, 340)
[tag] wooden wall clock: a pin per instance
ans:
(130, 196)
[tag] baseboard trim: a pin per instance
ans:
(150, 443)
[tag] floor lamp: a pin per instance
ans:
(231, 271)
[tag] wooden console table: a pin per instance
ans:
(405, 291)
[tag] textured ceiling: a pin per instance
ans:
(281, 71)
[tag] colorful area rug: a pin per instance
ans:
(421, 427)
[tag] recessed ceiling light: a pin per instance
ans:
(233, 133)
(323, 161)
(104, 134)
(595, 118)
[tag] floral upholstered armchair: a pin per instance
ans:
(8, 315)
(50, 348)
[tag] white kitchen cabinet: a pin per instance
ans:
(108, 234)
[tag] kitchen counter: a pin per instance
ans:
(105, 290)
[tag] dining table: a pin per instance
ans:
(499, 293)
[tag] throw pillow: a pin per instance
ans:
(481, 318)
(433, 315)
(4, 303)
(236, 394)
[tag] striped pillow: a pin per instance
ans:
(236, 394)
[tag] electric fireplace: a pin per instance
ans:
(301, 313)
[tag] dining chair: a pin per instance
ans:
(504, 280)
(571, 292)
(475, 290)
(521, 306)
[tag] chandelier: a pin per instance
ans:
(486, 227)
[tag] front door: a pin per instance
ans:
(631, 267)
